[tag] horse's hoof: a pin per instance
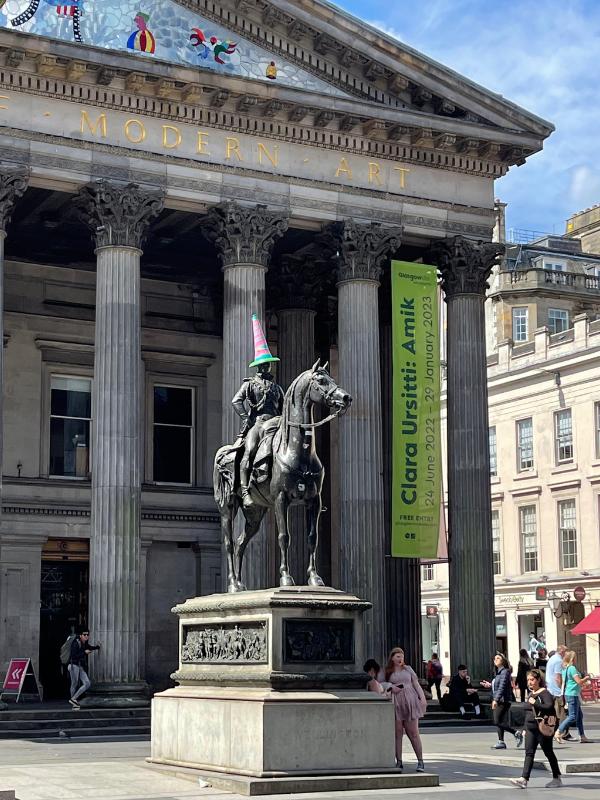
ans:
(286, 580)
(316, 580)
(236, 586)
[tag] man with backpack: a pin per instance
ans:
(435, 673)
(78, 666)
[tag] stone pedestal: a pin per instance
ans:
(271, 688)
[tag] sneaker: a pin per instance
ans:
(585, 740)
(519, 738)
(499, 746)
(558, 737)
(399, 765)
(420, 766)
(74, 703)
(520, 783)
(554, 783)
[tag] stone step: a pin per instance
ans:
(73, 720)
(39, 712)
(80, 734)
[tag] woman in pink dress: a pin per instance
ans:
(409, 704)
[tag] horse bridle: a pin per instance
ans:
(326, 396)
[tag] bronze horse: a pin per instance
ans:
(285, 474)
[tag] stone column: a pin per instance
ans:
(363, 249)
(13, 183)
(119, 217)
(296, 299)
(244, 238)
(465, 267)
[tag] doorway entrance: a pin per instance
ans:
(64, 607)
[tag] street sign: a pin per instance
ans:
(20, 679)
(541, 594)
(431, 611)
(579, 594)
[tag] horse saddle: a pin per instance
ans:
(263, 460)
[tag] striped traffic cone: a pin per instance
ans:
(262, 354)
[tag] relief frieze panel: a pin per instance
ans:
(239, 643)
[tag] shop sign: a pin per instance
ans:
(579, 594)
(510, 599)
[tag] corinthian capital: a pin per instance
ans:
(362, 248)
(465, 265)
(118, 215)
(244, 235)
(13, 183)
(298, 281)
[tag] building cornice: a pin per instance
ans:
(124, 82)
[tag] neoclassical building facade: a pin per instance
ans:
(161, 182)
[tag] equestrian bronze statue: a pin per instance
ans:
(277, 465)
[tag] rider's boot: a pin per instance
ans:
(246, 499)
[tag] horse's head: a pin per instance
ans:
(323, 389)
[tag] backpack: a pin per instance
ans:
(65, 650)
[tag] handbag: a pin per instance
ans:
(546, 725)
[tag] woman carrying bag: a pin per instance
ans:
(539, 730)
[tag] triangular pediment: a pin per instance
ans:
(162, 30)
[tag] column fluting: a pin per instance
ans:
(244, 238)
(119, 217)
(362, 249)
(465, 267)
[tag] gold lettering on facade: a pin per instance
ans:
(233, 146)
(141, 131)
(262, 150)
(344, 167)
(374, 173)
(171, 137)
(93, 126)
(202, 143)
(403, 172)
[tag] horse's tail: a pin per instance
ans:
(222, 480)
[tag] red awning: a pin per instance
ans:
(589, 624)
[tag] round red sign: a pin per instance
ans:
(579, 593)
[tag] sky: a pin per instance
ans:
(544, 56)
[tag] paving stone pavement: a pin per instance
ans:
(73, 770)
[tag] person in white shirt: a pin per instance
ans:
(554, 681)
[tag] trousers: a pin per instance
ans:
(575, 716)
(78, 674)
(532, 740)
(500, 716)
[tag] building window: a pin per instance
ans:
(556, 266)
(173, 436)
(558, 320)
(528, 533)
(597, 427)
(496, 554)
(567, 534)
(563, 436)
(493, 451)
(427, 572)
(519, 324)
(525, 444)
(70, 416)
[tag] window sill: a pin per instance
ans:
(495, 479)
(568, 466)
(525, 475)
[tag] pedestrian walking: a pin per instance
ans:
(540, 720)
(572, 681)
(554, 684)
(461, 692)
(434, 675)
(502, 695)
(533, 645)
(410, 704)
(78, 666)
(523, 667)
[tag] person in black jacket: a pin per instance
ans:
(525, 664)
(462, 693)
(502, 695)
(541, 708)
(78, 666)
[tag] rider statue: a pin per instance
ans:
(258, 400)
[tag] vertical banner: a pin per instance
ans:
(416, 465)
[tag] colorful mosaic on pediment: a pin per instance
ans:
(156, 29)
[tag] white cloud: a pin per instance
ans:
(542, 56)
